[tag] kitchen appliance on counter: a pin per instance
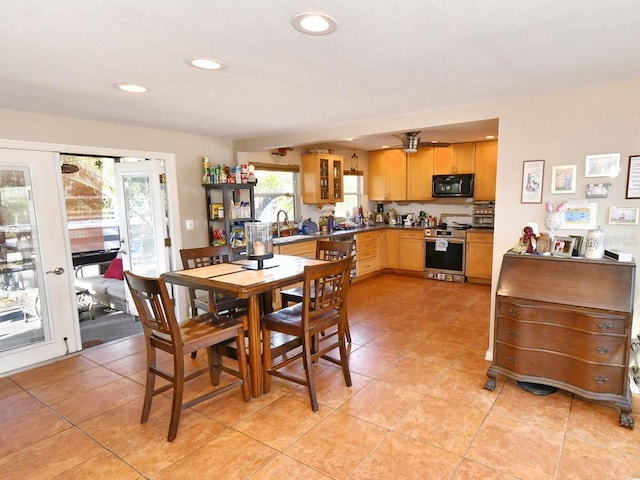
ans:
(445, 251)
(483, 214)
(457, 185)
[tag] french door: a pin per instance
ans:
(36, 323)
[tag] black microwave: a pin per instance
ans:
(457, 185)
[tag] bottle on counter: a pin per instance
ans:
(330, 222)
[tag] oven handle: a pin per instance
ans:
(450, 240)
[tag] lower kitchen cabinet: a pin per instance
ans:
(479, 256)
(301, 249)
(566, 323)
(411, 250)
(391, 242)
(366, 253)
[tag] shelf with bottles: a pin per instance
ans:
(228, 207)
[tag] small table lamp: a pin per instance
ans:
(259, 241)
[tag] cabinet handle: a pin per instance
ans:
(513, 333)
(513, 312)
(600, 380)
(602, 350)
(511, 359)
(604, 326)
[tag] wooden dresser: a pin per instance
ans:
(566, 323)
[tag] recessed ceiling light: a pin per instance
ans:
(131, 88)
(350, 139)
(314, 23)
(434, 141)
(490, 137)
(384, 146)
(205, 63)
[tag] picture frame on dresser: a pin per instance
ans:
(562, 246)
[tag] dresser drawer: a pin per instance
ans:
(572, 371)
(589, 346)
(583, 319)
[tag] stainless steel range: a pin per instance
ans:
(445, 251)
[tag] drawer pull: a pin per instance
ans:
(600, 380)
(513, 312)
(513, 333)
(602, 350)
(511, 359)
(604, 326)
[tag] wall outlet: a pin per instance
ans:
(189, 224)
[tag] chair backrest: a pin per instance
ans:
(325, 288)
(155, 309)
(333, 249)
(204, 256)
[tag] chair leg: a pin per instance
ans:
(178, 390)
(308, 364)
(149, 386)
(242, 365)
(344, 357)
(267, 360)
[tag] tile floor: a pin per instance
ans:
(416, 410)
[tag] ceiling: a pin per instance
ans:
(386, 58)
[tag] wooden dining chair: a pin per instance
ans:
(201, 301)
(163, 332)
(325, 310)
(325, 250)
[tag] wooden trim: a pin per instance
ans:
(277, 167)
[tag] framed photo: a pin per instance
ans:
(562, 246)
(580, 214)
(563, 179)
(532, 176)
(623, 216)
(605, 165)
(577, 246)
(598, 190)
(633, 177)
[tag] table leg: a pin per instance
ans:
(255, 346)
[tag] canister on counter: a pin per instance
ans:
(594, 243)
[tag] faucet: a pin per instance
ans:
(286, 220)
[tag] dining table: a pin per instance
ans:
(243, 279)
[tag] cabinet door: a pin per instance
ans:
(443, 160)
(397, 174)
(479, 257)
(464, 157)
(321, 178)
(486, 166)
(392, 248)
(411, 251)
(336, 193)
(377, 175)
(381, 245)
(419, 172)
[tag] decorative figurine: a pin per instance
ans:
(528, 239)
(554, 220)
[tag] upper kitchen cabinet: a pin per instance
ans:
(322, 178)
(419, 172)
(388, 175)
(485, 170)
(456, 158)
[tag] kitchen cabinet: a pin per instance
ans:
(391, 241)
(299, 249)
(229, 205)
(485, 170)
(411, 250)
(381, 246)
(366, 253)
(479, 256)
(388, 175)
(566, 323)
(322, 180)
(456, 158)
(419, 173)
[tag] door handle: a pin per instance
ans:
(57, 271)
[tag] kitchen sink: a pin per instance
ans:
(291, 238)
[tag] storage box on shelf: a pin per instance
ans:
(229, 205)
(566, 323)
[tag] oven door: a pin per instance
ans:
(445, 255)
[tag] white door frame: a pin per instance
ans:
(171, 188)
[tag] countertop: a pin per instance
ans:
(286, 240)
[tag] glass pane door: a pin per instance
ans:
(32, 328)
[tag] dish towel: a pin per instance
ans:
(441, 245)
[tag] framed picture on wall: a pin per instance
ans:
(563, 179)
(623, 216)
(633, 177)
(604, 165)
(532, 176)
